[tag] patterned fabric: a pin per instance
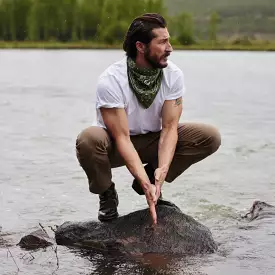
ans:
(145, 82)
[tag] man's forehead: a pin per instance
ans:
(161, 33)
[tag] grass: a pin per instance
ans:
(254, 46)
(54, 45)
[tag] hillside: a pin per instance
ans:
(248, 17)
(202, 7)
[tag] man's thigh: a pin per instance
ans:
(146, 146)
(194, 137)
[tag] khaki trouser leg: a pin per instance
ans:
(97, 153)
(196, 141)
(92, 147)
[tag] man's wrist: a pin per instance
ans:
(145, 185)
(164, 168)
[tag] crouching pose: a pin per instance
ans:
(139, 103)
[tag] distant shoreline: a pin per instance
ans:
(90, 45)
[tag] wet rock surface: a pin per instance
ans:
(37, 239)
(260, 210)
(175, 233)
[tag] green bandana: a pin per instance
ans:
(145, 83)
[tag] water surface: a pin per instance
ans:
(48, 97)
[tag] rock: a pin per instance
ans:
(2, 241)
(260, 210)
(175, 233)
(35, 240)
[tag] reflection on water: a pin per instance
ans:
(147, 264)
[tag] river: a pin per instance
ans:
(48, 97)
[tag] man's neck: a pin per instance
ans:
(142, 63)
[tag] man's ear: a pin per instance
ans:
(140, 47)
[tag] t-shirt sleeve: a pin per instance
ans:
(178, 88)
(109, 93)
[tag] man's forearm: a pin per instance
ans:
(167, 145)
(132, 160)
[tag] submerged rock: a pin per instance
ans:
(35, 240)
(260, 210)
(175, 233)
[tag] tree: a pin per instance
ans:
(90, 14)
(214, 20)
(64, 20)
(115, 32)
(156, 6)
(182, 28)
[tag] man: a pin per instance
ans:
(139, 103)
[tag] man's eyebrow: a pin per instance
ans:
(164, 39)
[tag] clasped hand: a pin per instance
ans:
(153, 191)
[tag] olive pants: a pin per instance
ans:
(97, 153)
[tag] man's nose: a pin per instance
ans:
(169, 47)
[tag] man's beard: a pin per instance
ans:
(153, 60)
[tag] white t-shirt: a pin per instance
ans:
(113, 91)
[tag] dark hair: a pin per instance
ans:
(141, 30)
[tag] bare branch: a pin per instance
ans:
(57, 260)
(43, 228)
(13, 259)
(52, 229)
(32, 257)
(23, 256)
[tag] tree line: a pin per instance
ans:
(100, 21)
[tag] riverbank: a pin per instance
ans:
(259, 46)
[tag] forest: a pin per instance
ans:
(106, 21)
(237, 17)
(101, 21)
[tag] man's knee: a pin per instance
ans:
(215, 139)
(199, 138)
(91, 139)
(86, 138)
